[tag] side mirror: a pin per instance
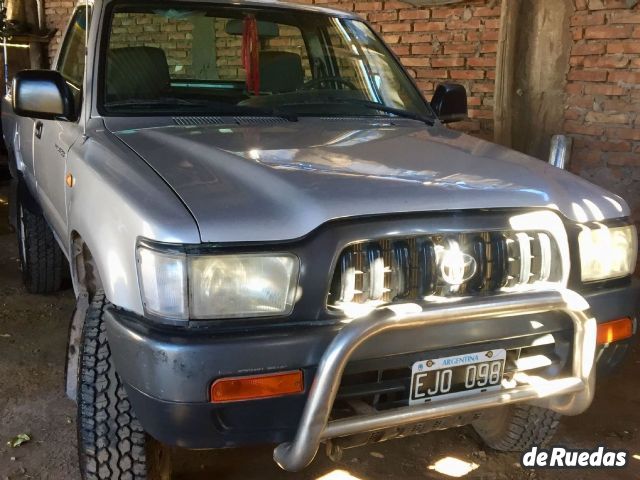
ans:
(43, 94)
(450, 102)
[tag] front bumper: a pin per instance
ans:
(168, 373)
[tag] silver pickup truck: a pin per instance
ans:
(273, 238)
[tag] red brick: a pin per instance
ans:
(467, 74)
(415, 61)
(589, 49)
(474, 101)
(473, 24)
(414, 14)
(625, 16)
(607, 61)
(490, 47)
(429, 26)
(481, 62)
(416, 38)
(383, 16)
(620, 105)
(493, 23)
(367, 6)
(391, 38)
(587, 75)
(579, 128)
(480, 113)
(401, 49)
(625, 77)
(584, 18)
(490, 35)
(482, 87)
(623, 47)
(606, 4)
(396, 27)
(623, 133)
(600, 89)
(607, 117)
(473, 35)
(447, 62)
(432, 73)
(616, 31)
(459, 48)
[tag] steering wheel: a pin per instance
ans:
(319, 82)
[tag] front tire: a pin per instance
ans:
(42, 262)
(517, 428)
(111, 441)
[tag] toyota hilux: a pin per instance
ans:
(274, 238)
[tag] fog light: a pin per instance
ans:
(259, 386)
(614, 331)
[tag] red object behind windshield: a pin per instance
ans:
(251, 53)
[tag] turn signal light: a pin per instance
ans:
(260, 386)
(614, 331)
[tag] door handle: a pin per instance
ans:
(39, 126)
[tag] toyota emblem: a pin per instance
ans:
(456, 267)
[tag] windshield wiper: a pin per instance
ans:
(381, 107)
(399, 112)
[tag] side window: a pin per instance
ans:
(72, 56)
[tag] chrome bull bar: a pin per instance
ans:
(568, 396)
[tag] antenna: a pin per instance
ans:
(85, 93)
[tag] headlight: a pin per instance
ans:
(256, 285)
(607, 252)
(178, 286)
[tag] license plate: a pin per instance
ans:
(451, 377)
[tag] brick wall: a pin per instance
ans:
(603, 96)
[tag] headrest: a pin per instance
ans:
(137, 72)
(280, 72)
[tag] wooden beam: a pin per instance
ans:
(505, 71)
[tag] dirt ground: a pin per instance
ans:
(33, 333)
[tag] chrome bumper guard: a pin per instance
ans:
(568, 396)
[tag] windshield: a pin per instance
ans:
(165, 58)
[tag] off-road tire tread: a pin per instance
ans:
(44, 266)
(525, 427)
(111, 441)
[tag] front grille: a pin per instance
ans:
(418, 268)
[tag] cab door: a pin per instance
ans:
(52, 139)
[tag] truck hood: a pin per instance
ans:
(279, 181)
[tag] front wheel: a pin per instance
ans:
(111, 441)
(517, 428)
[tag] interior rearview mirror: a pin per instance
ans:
(43, 94)
(450, 102)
